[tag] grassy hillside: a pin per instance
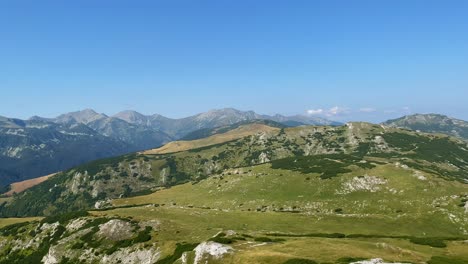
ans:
(218, 137)
(204, 133)
(21, 186)
(328, 151)
(291, 195)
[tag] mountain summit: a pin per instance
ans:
(84, 116)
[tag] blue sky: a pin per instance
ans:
(345, 60)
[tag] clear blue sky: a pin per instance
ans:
(346, 60)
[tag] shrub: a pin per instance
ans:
(445, 260)
(222, 240)
(77, 245)
(143, 235)
(62, 218)
(429, 241)
(299, 261)
(263, 239)
(12, 229)
(346, 260)
(180, 249)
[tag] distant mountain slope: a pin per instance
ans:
(219, 136)
(206, 132)
(32, 148)
(39, 146)
(361, 193)
(21, 186)
(324, 150)
(432, 123)
(137, 136)
(179, 128)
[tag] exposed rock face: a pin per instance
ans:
(263, 158)
(363, 183)
(116, 230)
(133, 255)
(76, 224)
(51, 257)
(207, 250)
(103, 204)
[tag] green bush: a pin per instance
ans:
(180, 249)
(143, 235)
(446, 260)
(77, 245)
(433, 242)
(299, 261)
(267, 239)
(12, 229)
(346, 260)
(62, 218)
(326, 235)
(222, 240)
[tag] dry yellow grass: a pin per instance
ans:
(237, 133)
(21, 186)
(10, 221)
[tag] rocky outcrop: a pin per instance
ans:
(133, 255)
(210, 250)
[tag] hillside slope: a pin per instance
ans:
(38, 146)
(293, 195)
(34, 148)
(179, 128)
(332, 149)
(234, 133)
(432, 123)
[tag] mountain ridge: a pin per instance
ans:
(361, 192)
(22, 141)
(432, 123)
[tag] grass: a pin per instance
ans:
(231, 135)
(400, 222)
(204, 224)
(416, 203)
(18, 187)
(9, 221)
(302, 208)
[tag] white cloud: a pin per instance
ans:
(334, 111)
(367, 110)
(315, 111)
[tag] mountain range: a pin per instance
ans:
(40, 146)
(254, 192)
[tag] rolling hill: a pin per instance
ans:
(432, 123)
(309, 194)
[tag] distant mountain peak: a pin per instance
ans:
(83, 116)
(129, 114)
(432, 123)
